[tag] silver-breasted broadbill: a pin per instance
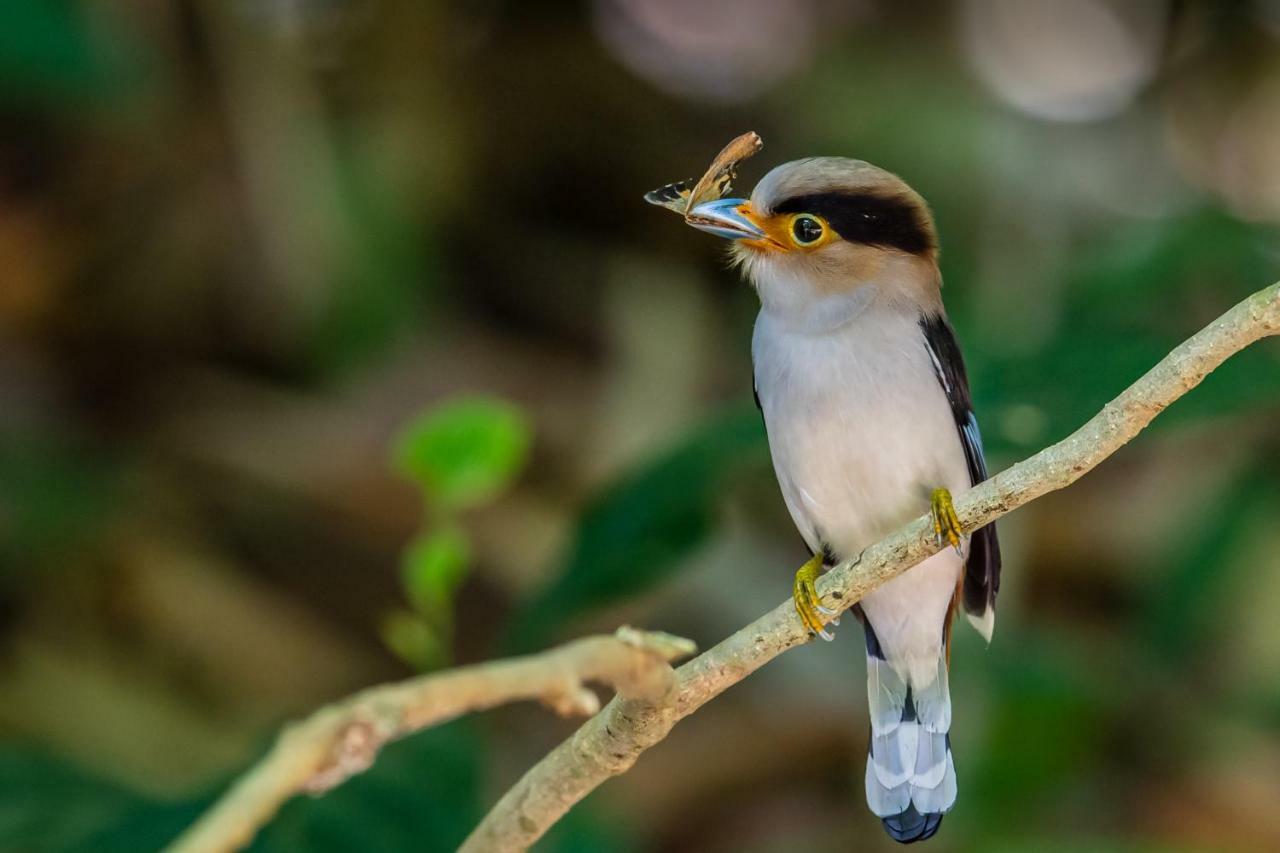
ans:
(866, 403)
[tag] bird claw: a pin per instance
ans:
(946, 526)
(808, 605)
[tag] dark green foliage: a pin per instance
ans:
(62, 54)
(47, 806)
(53, 493)
(423, 794)
(1204, 568)
(635, 533)
(1123, 311)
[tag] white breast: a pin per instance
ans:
(861, 432)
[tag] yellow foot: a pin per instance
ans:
(945, 524)
(808, 605)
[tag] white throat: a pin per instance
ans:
(802, 307)
(800, 302)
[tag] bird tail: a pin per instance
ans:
(911, 779)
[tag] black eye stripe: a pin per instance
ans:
(867, 218)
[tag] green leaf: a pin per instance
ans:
(414, 640)
(635, 534)
(465, 452)
(434, 565)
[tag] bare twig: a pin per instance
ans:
(343, 739)
(610, 742)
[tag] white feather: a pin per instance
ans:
(933, 700)
(940, 798)
(860, 431)
(931, 760)
(891, 765)
(884, 801)
(886, 696)
(985, 623)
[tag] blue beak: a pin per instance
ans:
(724, 217)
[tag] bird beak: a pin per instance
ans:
(727, 217)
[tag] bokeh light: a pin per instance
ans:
(1065, 60)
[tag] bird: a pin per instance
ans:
(870, 423)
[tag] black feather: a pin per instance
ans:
(982, 571)
(869, 634)
(877, 220)
(910, 826)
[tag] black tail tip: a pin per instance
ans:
(909, 826)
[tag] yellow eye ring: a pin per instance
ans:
(806, 230)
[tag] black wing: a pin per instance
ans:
(982, 571)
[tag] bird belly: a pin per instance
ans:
(860, 433)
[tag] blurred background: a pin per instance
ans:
(336, 344)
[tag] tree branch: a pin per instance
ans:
(611, 741)
(343, 739)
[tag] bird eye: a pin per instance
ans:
(806, 230)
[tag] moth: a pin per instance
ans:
(715, 183)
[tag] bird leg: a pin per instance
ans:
(808, 605)
(946, 526)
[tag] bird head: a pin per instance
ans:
(829, 228)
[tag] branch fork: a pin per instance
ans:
(344, 739)
(321, 752)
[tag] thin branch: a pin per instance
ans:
(610, 742)
(343, 739)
